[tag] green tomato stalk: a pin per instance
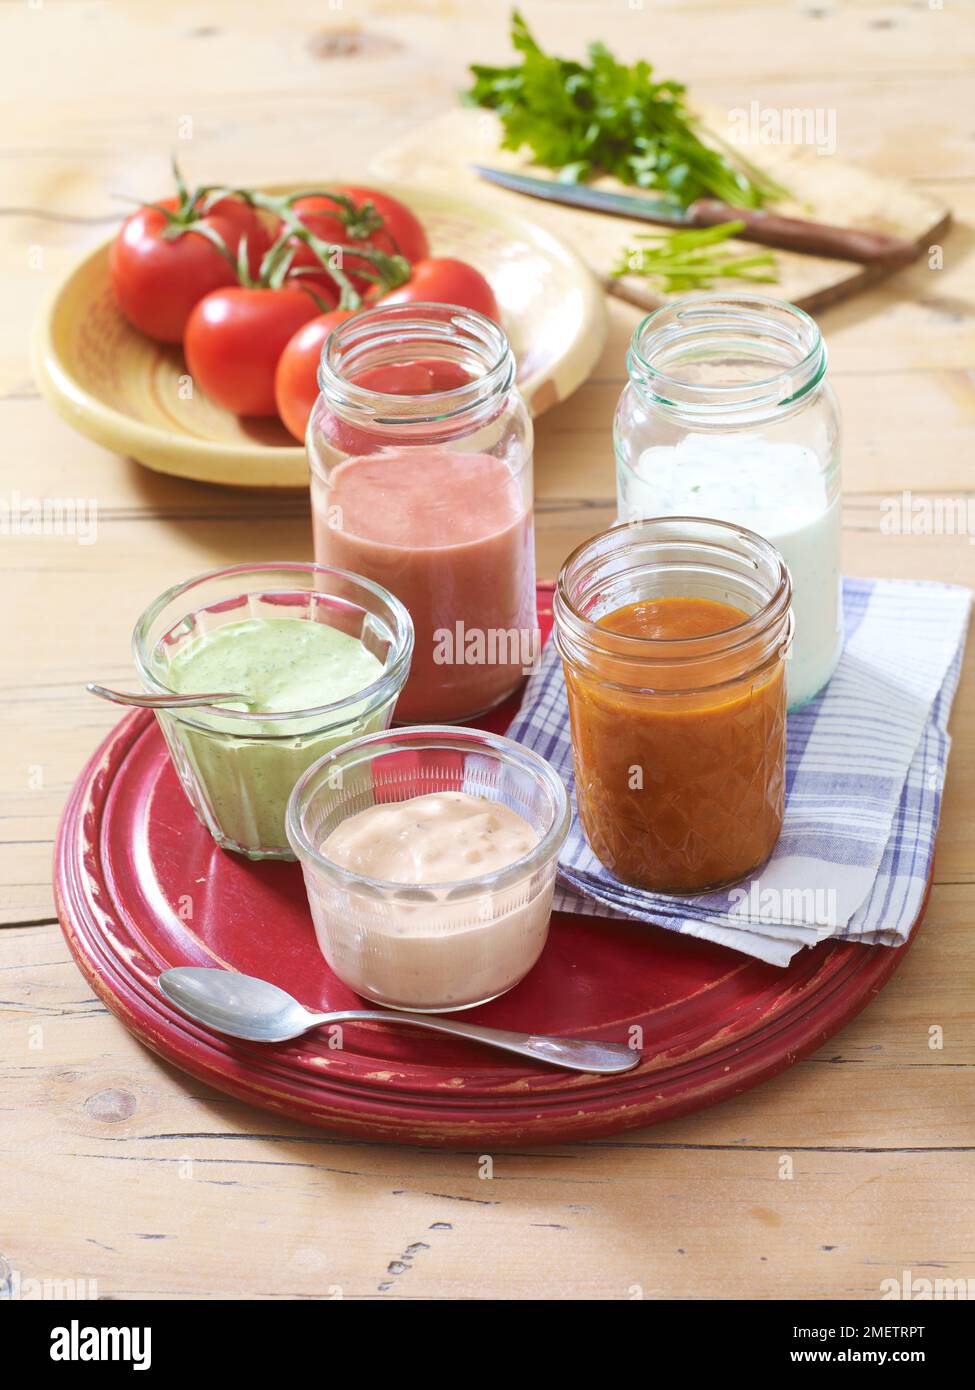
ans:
(387, 271)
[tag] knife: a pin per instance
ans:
(767, 228)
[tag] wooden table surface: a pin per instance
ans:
(115, 1167)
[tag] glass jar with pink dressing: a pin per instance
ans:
(420, 447)
(429, 856)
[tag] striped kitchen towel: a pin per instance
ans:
(865, 766)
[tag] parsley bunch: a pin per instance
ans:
(605, 117)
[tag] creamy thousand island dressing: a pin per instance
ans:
(283, 665)
(434, 953)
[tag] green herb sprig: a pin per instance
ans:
(693, 259)
(606, 117)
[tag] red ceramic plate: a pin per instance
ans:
(140, 887)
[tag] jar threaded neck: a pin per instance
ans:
(396, 332)
(726, 359)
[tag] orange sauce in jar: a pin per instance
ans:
(680, 789)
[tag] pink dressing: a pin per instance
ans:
(438, 838)
(439, 949)
(450, 534)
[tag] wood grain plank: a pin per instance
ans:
(873, 1123)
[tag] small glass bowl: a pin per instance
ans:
(434, 947)
(237, 767)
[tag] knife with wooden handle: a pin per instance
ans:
(808, 238)
(767, 228)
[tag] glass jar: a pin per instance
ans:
(420, 448)
(238, 766)
(431, 946)
(728, 414)
(673, 635)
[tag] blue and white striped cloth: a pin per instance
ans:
(864, 771)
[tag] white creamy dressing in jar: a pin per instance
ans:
(775, 489)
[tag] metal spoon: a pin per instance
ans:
(122, 697)
(245, 1007)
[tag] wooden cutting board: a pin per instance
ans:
(439, 154)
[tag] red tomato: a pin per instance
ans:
(157, 280)
(296, 381)
(441, 280)
(400, 234)
(234, 338)
(296, 377)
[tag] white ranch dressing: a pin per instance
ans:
(775, 489)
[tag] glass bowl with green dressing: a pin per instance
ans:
(320, 656)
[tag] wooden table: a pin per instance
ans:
(117, 1168)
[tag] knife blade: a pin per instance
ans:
(767, 228)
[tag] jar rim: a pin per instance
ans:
(700, 318)
(443, 736)
(649, 653)
(380, 328)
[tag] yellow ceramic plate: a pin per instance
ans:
(133, 395)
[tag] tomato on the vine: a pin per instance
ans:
(296, 380)
(168, 256)
(443, 280)
(296, 377)
(234, 339)
(376, 221)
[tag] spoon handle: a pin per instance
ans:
(122, 697)
(575, 1054)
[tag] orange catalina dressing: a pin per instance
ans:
(680, 787)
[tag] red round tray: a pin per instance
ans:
(141, 886)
